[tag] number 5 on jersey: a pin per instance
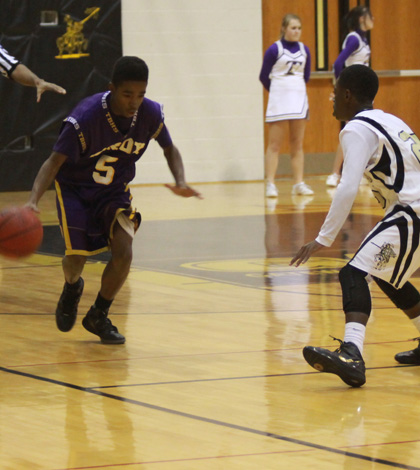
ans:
(102, 166)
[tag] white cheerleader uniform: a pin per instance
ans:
(359, 56)
(384, 149)
(287, 98)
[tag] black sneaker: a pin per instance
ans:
(346, 362)
(409, 357)
(97, 322)
(66, 311)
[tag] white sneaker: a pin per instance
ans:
(271, 204)
(302, 189)
(300, 202)
(333, 180)
(271, 190)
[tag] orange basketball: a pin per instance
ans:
(20, 232)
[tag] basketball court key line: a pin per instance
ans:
(213, 421)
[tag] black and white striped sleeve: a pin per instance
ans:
(8, 63)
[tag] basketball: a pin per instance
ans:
(20, 232)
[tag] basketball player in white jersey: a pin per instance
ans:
(384, 149)
(355, 50)
(285, 71)
(12, 68)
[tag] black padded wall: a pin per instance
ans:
(88, 36)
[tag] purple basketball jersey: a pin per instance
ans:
(99, 155)
(92, 184)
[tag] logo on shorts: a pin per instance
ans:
(385, 254)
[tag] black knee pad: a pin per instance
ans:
(405, 298)
(356, 293)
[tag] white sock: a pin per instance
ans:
(355, 333)
(416, 322)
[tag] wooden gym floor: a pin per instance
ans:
(212, 374)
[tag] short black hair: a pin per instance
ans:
(129, 68)
(361, 80)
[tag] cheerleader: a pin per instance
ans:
(284, 74)
(355, 50)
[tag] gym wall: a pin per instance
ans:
(204, 59)
(77, 53)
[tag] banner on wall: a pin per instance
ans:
(73, 43)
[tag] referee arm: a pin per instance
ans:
(21, 74)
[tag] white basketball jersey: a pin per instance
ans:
(288, 63)
(394, 171)
(361, 55)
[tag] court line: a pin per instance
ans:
(32, 266)
(220, 379)
(274, 288)
(237, 283)
(216, 422)
(192, 459)
(219, 353)
(381, 444)
(225, 312)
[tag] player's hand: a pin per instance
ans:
(184, 191)
(305, 253)
(32, 206)
(43, 86)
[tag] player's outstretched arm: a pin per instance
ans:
(305, 253)
(26, 77)
(184, 191)
(45, 178)
(173, 157)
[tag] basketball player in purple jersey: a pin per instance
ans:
(12, 68)
(92, 163)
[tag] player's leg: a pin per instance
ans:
(408, 300)
(347, 361)
(66, 311)
(71, 213)
(276, 133)
(73, 267)
(395, 253)
(297, 133)
(116, 271)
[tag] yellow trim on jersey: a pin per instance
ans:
(85, 252)
(64, 227)
(127, 190)
(157, 132)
